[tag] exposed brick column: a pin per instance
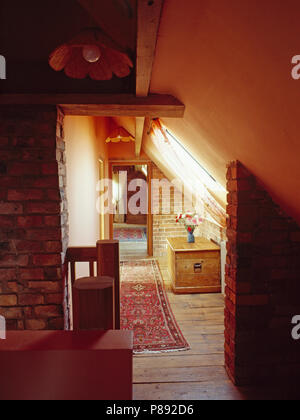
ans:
(263, 284)
(33, 217)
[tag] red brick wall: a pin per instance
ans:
(33, 217)
(164, 223)
(263, 284)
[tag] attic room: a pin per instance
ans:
(148, 200)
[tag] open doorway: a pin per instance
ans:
(130, 223)
(199, 317)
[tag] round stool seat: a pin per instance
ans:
(94, 283)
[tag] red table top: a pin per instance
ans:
(67, 340)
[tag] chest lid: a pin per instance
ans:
(201, 244)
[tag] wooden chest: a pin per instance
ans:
(194, 268)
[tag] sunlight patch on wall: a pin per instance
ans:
(195, 178)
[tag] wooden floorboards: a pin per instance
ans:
(197, 374)
(133, 250)
(130, 249)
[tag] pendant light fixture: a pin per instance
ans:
(91, 53)
(120, 135)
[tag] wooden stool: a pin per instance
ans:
(108, 264)
(93, 303)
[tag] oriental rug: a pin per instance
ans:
(146, 310)
(130, 234)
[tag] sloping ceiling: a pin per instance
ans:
(230, 64)
(228, 61)
(116, 17)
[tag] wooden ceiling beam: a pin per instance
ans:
(152, 106)
(148, 19)
(139, 133)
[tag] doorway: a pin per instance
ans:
(131, 223)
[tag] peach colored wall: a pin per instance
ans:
(230, 63)
(85, 144)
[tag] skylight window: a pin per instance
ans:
(193, 165)
(195, 178)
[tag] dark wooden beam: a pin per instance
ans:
(164, 106)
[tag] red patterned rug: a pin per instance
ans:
(146, 310)
(130, 234)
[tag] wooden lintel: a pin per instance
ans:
(163, 106)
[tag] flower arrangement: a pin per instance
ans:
(190, 221)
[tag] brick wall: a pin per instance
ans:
(263, 284)
(164, 223)
(33, 217)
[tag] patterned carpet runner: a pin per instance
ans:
(146, 310)
(130, 234)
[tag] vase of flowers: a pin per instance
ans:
(190, 221)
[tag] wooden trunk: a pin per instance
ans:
(194, 268)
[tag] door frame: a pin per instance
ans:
(102, 215)
(112, 163)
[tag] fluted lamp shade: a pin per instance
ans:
(120, 135)
(93, 54)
